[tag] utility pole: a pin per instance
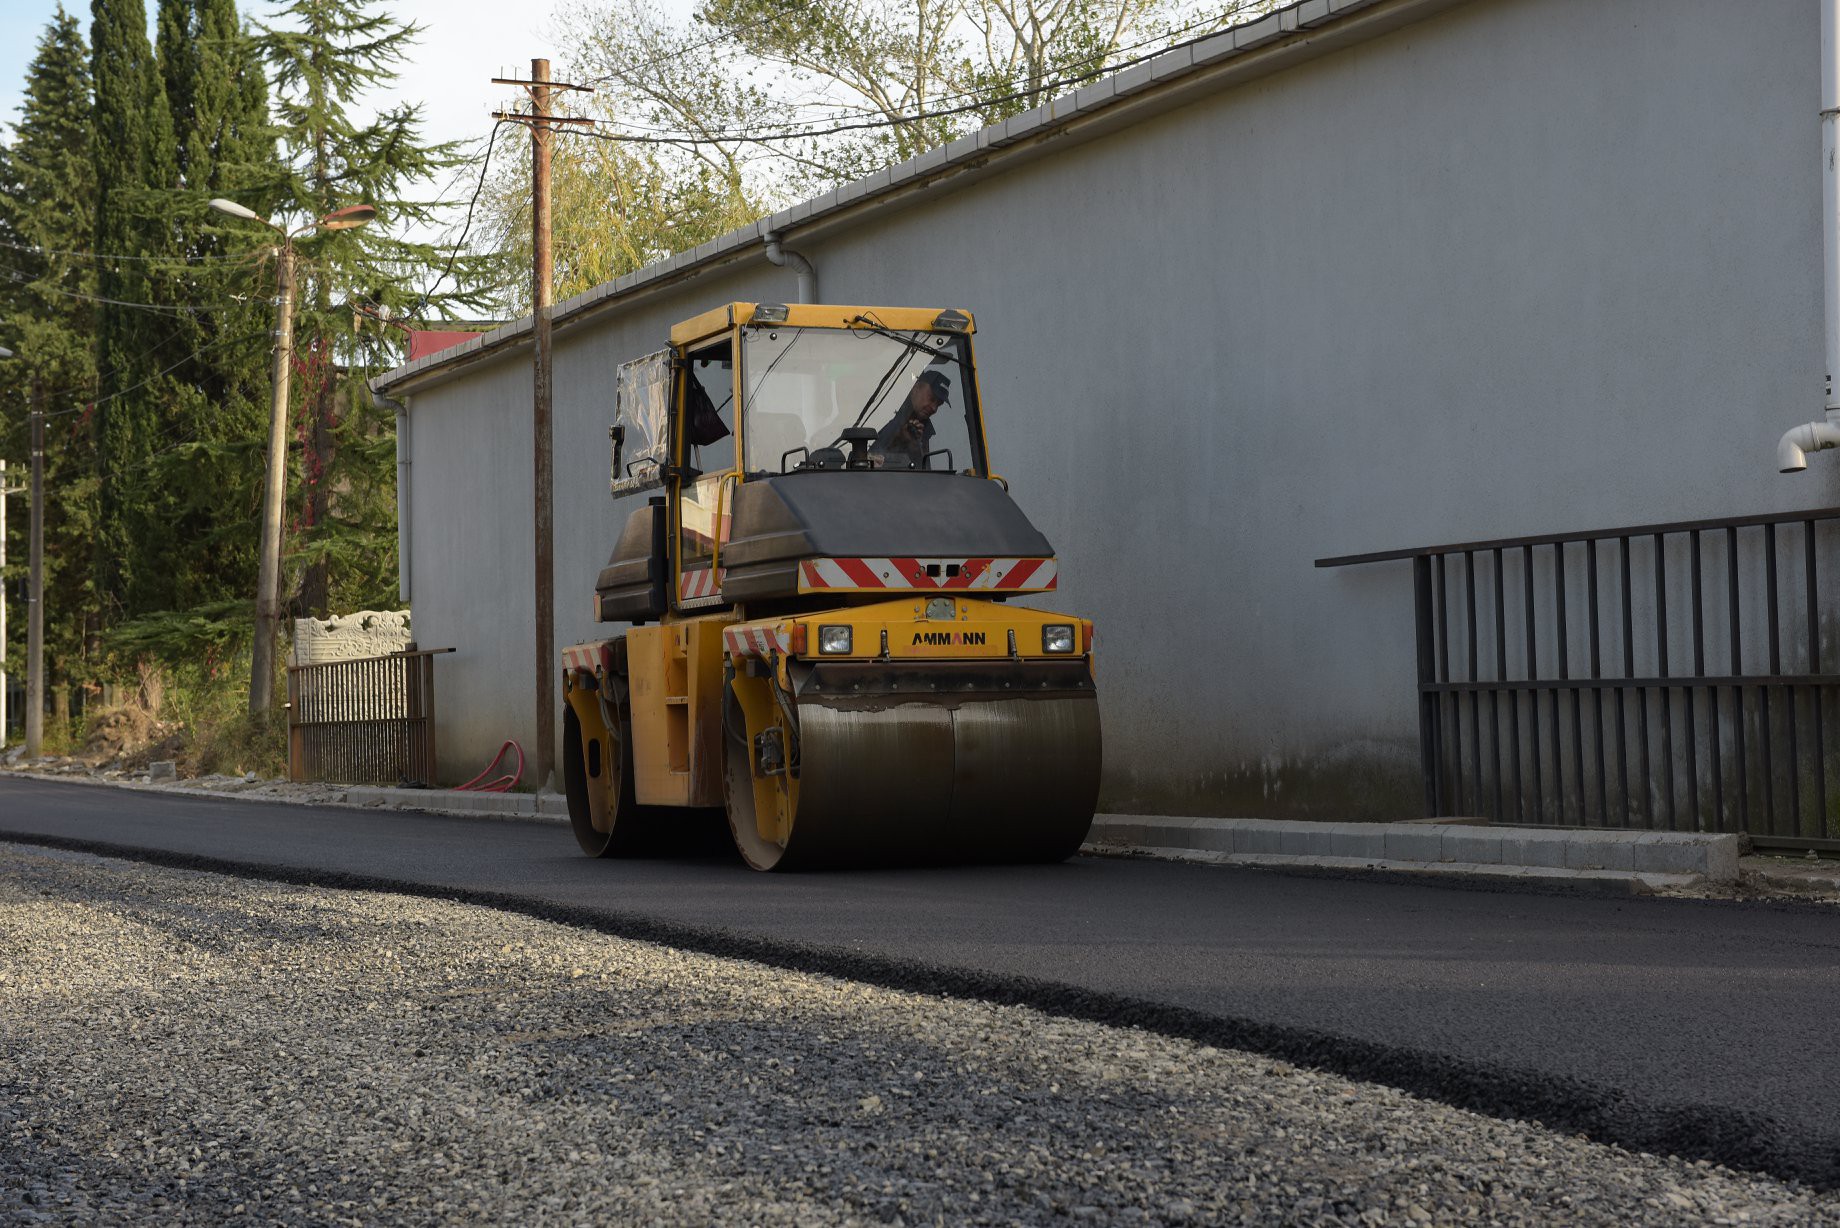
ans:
(35, 584)
(268, 576)
(542, 436)
(4, 492)
(542, 433)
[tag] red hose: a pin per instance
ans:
(502, 784)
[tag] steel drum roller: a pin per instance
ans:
(956, 773)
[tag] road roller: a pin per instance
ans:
(816, 581)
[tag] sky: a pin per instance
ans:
(464, 44)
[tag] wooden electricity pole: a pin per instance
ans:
(542, 433)
(542, 436)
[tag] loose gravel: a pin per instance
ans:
(180, 1047)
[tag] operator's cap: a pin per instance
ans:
(942, 384)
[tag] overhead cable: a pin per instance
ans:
(108, 257)
(485, 164)
(156, 308)
(742, 138)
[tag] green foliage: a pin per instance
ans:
(47, 217)
(133, 157)
(328, 53)
(193, 497)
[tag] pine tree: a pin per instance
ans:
(47, 220)
(326, 55)
(133, 157)
(202, 487)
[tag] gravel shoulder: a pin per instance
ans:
(181, 1047)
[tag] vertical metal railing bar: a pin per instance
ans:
(1770, 816)
(1699, 671)
(1667, 693)
(1629, 669)
(1597, 694)
(1561, 613)
(1501, 675)
(1533, 697)
(1794, 757)
(1811, 580)
(1455, 702)
(1735, 619)
(1475, 700)
(1427, 698)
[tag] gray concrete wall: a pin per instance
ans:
(1525, 266)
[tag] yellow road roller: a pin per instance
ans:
(815, 577)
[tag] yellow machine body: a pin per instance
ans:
(872, 711)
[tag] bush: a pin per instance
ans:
(194, 713)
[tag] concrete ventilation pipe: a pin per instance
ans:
(1815, 436)
(808, 276)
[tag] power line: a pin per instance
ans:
(485, 164)
(1095, 66)
(803, 134)
(1095, 61)
(122, 392)
(155, 308)
(101, 257)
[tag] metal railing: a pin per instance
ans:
(1554, 688)
(369, 720)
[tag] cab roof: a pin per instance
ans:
(822, 315)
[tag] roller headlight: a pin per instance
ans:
(1057, 637)
(834, 641)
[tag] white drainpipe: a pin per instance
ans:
(1816, 436)
(403, 535)
(785, 257)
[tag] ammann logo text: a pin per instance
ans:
(944, 638)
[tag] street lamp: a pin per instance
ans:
(268, 582)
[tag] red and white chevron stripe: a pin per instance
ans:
(589, 658)
(764, 642)
(702, 586)
(973, 575)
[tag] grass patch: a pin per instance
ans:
(196, 715)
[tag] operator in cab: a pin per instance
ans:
(906, 440)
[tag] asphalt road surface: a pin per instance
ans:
(1702, 1028)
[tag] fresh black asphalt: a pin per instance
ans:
(1706, 1028)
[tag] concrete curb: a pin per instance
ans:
(1645, 861)
(550, 808)
(531, 807)
(1708, 857)
(1615, 881)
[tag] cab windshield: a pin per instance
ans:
(814, 397)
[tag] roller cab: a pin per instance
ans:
(816, 569)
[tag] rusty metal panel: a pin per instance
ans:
(364, 721)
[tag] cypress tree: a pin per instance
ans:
(47, 221)
(134, 160)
